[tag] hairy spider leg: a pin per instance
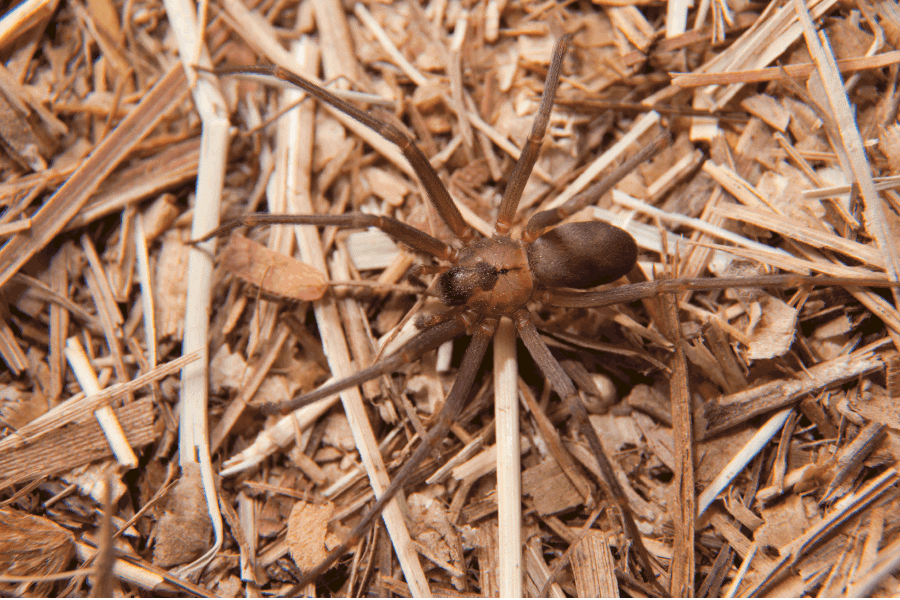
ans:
(649, 289)
(437, 193)
(484, 332)
(522, 171)
(562, 384)
(407, 234)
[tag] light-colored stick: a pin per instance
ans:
(143, 268)
(676, 17)
(193, 440)
(372, 25)
(300, 125)
(110, 425)
(742, 459)
(16, 226)
(509, 468)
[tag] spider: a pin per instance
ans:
(489, 278)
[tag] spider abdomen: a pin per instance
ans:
(582, 255)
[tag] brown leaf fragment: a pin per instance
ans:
(769, 110)
(183, 533)
(386, 185)
(878, 406)
(773, 332)
(307, 536)
(32, 545)
(433, 530)
(18, 408)
(272, 272)
(19, 140)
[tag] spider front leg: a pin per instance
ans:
(437, 193)
(400, 231)
(563, 386)
(484, 331)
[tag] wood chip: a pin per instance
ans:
(307, 537)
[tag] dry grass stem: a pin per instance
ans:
(509, 465)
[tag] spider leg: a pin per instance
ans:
(400, 231)
(484, 331)
(425, 340)
(436, 191)
(638, 291)
(522, 170)
(540, 222)
(563, 385)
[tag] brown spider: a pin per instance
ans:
(498, 276)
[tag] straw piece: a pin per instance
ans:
(537, 573)
(372, 25)
(676, 18)
(143, 268)
(840, 512)
(194, 446)
(683, 559)
(509, 468)
(801, 232)
(141, 180)
(80, 406)
(249, 387)
(847, 65)
(877, 220)
(276, 437)
(643, 125)
(550, 436)
(15, 227)
(78, 444)
(112, 429)
(734, 409)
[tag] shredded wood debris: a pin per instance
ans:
(755, 432)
